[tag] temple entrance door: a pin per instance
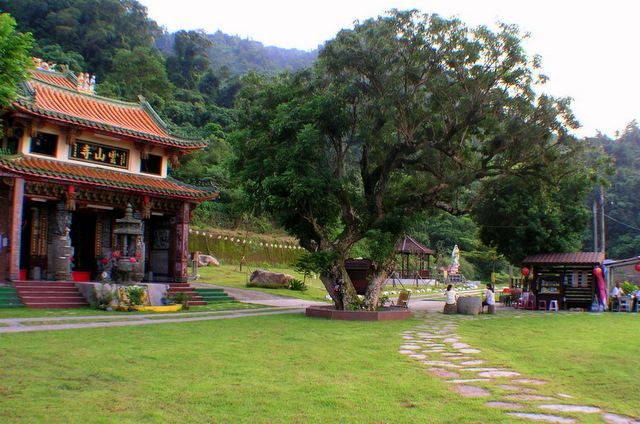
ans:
(83, 240)
(35, 229)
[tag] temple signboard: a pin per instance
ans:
(98, 153)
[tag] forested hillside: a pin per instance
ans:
(195, 81)
(240, 55)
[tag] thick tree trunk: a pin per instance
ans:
(374, 289)
(338, 284)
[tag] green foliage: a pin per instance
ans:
(621, 194)
(94, 29)
(138, 72)
(182, 298)
(239, 56)
(103, 298)
(53, 53)
(14, 60)
(297, 285)
(189, 60)
(522, 217)
(265, 285)
(383, 300)
(136, 294)
(628, 288)
(401, 115)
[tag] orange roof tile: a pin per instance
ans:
(98, 177)
(63, 80)
(52, 96)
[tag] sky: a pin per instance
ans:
(590, 50)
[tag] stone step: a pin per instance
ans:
(56, 305)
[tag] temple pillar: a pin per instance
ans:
(61, 250)
(181, 243)
(15, 232)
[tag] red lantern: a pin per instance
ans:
(133, 260)
(525, 271)
(637, 267)
(105, 261)
(116, 255)
(597, 271)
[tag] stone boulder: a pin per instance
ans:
(469, 305)
(450, 308)
(207, 260)
(262, 278)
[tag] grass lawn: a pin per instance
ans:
(231, 276)
(295, 369)
(270, 369)
(594, 357)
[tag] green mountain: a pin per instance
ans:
(240, 55)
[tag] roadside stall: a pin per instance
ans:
(563, 280)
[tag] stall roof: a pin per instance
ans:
(578, 258)
(410, 246)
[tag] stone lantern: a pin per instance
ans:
(130, 253)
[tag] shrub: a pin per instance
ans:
(136, 295)
(297, 285)
(266, 285)
(628, 288)
(183, 299)
(103, 297)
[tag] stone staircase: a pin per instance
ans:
(196, 299)
(49, 294)
(9, 298)
(214, 295)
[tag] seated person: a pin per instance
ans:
(616, 294)
(489, 298)
(451, 295)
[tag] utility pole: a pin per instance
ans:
(594, 212)
(602, 225)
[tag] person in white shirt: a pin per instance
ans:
(616, 294)
(489, 297)
(451, 295)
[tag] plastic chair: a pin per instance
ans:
(531, 303)
(542, 305)
(625, 304)
(403, 299)
(553, 305)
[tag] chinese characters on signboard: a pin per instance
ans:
(98, 153)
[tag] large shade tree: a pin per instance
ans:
(401, 115)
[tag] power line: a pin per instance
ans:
(622, 223)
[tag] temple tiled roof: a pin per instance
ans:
(52, 96)
(58, 171)
(66, 80)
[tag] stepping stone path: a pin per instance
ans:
(436, 345)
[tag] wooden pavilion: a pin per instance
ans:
(408, 247)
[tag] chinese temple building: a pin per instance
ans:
(83, 181)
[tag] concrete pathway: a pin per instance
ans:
(275, 305)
